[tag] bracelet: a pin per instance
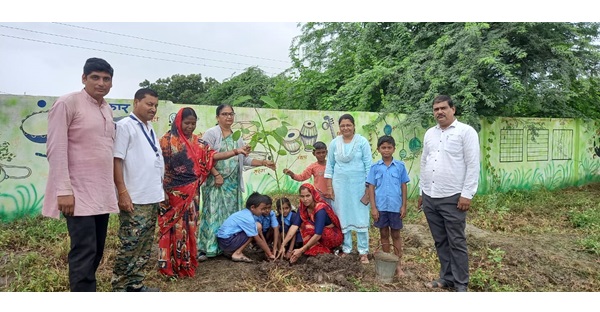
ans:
(216, 175)
(123, 192)
(235, 152)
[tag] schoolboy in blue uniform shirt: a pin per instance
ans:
(268, 227)
(267, 220)
(387, 193)
(240, 229)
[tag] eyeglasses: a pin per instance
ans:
(227, 114)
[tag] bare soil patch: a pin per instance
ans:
(534, 263)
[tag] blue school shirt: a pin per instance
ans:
(387, 182)
(242, 220)
(268, 221)
(287, 221)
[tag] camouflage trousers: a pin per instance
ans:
(136, 233)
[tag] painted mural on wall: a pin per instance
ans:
(516, 153)
(523, 154)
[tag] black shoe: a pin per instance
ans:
(143, 289)
(461, 288)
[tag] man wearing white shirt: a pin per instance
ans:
(448, 182)
(138, 173)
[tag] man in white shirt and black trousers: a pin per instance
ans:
(448, 182)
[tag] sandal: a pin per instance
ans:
(242, 259)
(364, 259)
(438, 283)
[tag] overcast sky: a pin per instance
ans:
(47, 58)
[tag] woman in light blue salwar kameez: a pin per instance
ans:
(348, 162)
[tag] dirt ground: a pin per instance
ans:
(535, 260)
(534, 263)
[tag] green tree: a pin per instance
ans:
(252, 82)
(182, 89)
(331, 60)
(490, 69)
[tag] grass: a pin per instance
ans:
(522, 211)
(538, 240)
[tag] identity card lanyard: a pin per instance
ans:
(152, 141)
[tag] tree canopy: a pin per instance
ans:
(189, 89)
(489, 69)
(252, 82)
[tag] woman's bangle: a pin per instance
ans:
(123, 192)
(216, 175)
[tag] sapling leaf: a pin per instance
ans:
(237, 134)
(269, 101)
(282, 131)
(241, 99)
(277, 138)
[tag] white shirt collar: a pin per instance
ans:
(452, 125)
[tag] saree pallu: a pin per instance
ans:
(178, 225)
(331, 238)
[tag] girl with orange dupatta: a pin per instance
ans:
(319, 226)
(188, 161)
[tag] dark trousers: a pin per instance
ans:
(447, 224)
(88, 234)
